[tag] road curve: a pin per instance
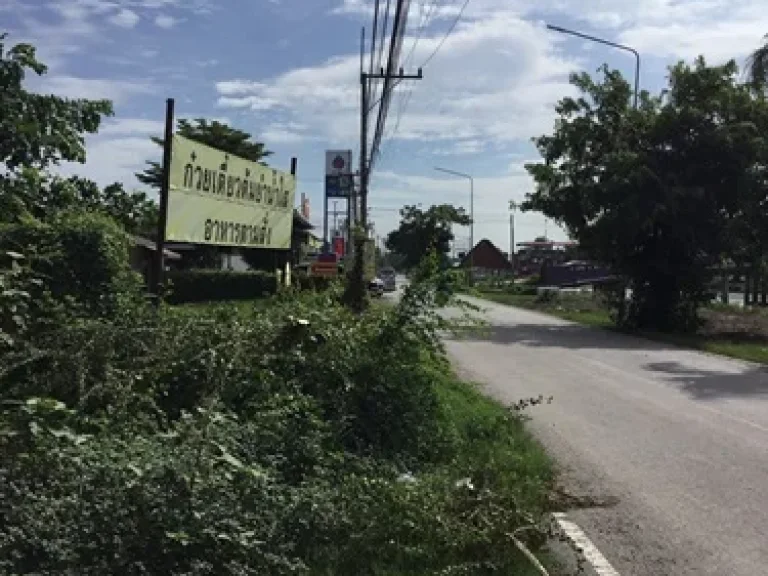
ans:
(664, 451)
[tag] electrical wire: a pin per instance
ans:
(406, 98)
(374, 84)
(447, 34)
(398, 32)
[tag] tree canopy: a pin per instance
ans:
(757, 66)
(40, 130)
(424, 231)
(37, 130)
(214, 134)
(664, 192)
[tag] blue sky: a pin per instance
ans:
(286, 71)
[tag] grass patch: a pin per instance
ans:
(727, 330)
(498, 453)
(494, 444)
(583, 309)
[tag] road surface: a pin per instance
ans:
(663, 451)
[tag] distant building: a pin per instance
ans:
(486, 259)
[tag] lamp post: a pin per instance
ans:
(562, 30)
(471, 213)
(512, 209)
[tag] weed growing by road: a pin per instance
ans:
(295, 438)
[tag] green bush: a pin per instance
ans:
(219, 285)
(307, 282)
(295, 439)
(81, 259)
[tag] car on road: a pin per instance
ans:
(376, 287)
(389, 277)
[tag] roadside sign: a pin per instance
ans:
(324, 269)
(327, 257)
(338, 162)
(338, 246)
(338, 173)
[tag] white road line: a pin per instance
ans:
(575, 534)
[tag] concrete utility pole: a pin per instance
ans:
(562, 30)
(471, 214)
(391, 77)
(512, 209)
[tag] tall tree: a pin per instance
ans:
(44, 196)
(36, 130)
(653, 192)
(424, 231)
(214, 134)
(757, 66)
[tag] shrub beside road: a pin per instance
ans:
(289, 437)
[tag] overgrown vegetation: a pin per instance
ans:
(218, 285)
(292, 438)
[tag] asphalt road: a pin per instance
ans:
(663, 451)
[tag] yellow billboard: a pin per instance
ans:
(218, 198)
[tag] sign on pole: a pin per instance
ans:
(218, 198)
(338, 173)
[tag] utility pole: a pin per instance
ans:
(390, 77)
(512, 210)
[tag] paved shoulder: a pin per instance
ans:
(665, 450)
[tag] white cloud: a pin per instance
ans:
(114, 159)
(238, 87)
(720, 29)
(131, 127)
(165, 21)
(463, 94)
(125, 18)
(118, 91)
(285, 133)
(119, 150)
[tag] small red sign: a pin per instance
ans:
(338, 246)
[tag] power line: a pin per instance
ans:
(424, 23)
(447, 34)
(395, 46)
(405, 99)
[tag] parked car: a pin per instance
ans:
(376, 288)
(389, 277)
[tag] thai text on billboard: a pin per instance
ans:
(218, 198)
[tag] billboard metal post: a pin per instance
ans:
(289, 253)
(159, 261)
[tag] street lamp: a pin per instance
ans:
(607, 43)
(513, 206)
(471, 212)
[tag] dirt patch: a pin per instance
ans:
(561, 498)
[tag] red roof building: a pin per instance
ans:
(486, 257)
